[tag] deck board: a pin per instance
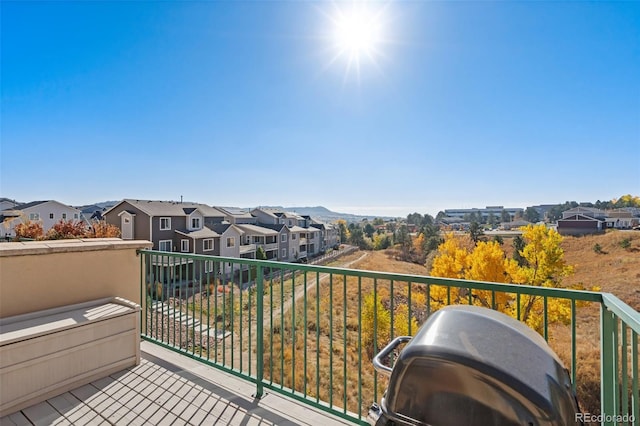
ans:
(169, 389)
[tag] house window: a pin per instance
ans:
(207, 245)
(195, 223)
(184, 246)
(293, 236)
(50, 215)
(75, 215)
(284, 253)
(64, 216)
(165, 223)
(231, 242)
(283, 238)
(34, 216)
(165, 245)
(208, 266)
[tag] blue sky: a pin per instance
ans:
(454, 104)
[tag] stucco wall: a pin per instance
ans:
(47, 274)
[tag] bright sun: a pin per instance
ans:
(357, 34)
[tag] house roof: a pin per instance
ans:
(589, 211)
(221, 228)
(200, 233)
(299, 229)
(257, 229)
(30, 204)
(235, 212)
(277, 226)
(280, 213)
(579, 217)
(8, 199)
(170, 208)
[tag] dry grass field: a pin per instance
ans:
(319, 346)
(614, 267)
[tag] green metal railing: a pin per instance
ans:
(310, 331)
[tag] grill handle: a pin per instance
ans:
(377, 360)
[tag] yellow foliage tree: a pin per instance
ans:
(402, 320)
(376, 323)
(418, 245)
(544, 266)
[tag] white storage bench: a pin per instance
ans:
(49, 352)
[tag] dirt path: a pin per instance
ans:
(243, 356)
(299, 293)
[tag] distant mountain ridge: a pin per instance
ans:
(320, 213)
(325, 215)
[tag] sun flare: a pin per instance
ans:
(357, 35)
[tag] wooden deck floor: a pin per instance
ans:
(169, 389)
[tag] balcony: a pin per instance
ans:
(247, 249)
(299, 346)
(269, 246)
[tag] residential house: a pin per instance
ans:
(591, 212)
(284, 241)
(304, 240)
(165, 223)
(329, 236)
(623, 218)
(578, 224)
(7, 204)
(272, 216)
(264, 237)
(47, 213)
(232, 242)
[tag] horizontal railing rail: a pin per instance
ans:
(310, 332)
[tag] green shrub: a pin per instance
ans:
(625, 243)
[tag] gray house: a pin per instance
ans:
(264, 237)
(169, 225)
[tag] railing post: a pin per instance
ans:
(259, 331)
(607, 363)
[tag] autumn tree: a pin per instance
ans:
(541, 264)
(344, 230)
(66, 229)
(28, 229)
(627, 200)
(376, 323)
(381, 241)
(545, 267)
(102, 229)
(356, 236)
